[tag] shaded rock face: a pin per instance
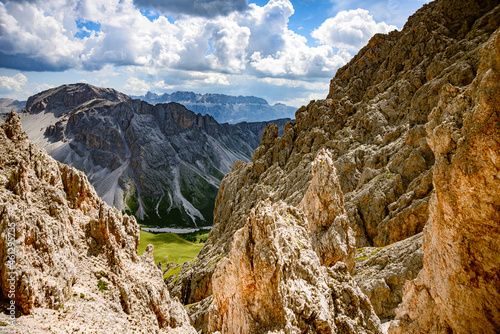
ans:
(76, 258)
(373, 124)
(458, 289)
(381, 272)
(161, 163)
(225, 108)
(272, 281)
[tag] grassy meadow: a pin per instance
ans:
(172, 247)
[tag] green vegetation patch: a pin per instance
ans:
(172, 272)
(199, 236)
(169, 247)
(102, 286)
(100, 274)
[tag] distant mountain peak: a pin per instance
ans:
(225, 108)
(162, 163)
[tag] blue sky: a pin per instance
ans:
(281, 50)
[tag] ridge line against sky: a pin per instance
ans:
(281, 50)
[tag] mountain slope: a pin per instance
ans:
(162, 163)
(75, 261)
(458, 289)
(225, 108)
(373, 123)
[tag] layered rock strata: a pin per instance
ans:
(76, 266)
(373, 123)
(458, 289)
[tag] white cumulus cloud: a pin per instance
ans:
(15, 83)
(106, 38)
(136, 86)
(350, 30)
(35, 37)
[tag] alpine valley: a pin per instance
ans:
(375, 211)
(161, 163)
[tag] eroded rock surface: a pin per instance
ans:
(381, 272)
(373, 123)
(272, 281)
(76, 261)
(323, 206)
(458, 289)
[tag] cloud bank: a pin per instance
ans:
(206, 8)
(211, 42)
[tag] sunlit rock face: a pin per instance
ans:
(458, 289)
(375, 125)
(161, 163)
(76, 257)
(272, 281)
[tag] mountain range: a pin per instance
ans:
(161, 163)
(375, 211)
(7, 105)
(225, 108)
(406, 142)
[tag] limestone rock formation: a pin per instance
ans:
(161, 163)
(373, 123)
(225, 108)
(381, 272)
(76, 263)
(272, 281)
(458, 289)
(323, 205)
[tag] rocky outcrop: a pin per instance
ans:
(323, 206)
(381, 272)
(272, 281)
(373, 124)
(225, 108)
(458, 289)
(76, 265)
(161, 163)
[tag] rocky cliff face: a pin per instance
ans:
(225, 108)
(381, 272)
(161, 163)
(76, 260)
(272, 281)
(373, 126)
(458, 289)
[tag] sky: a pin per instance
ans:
(284, 51)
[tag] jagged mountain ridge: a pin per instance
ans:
(162, 163)
(76, 261)
(225, 108)
(373, 123)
